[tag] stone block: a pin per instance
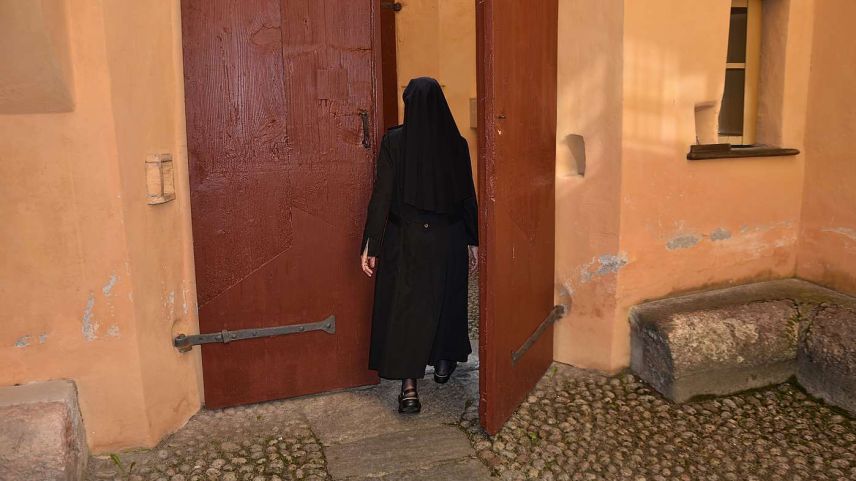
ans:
(720, 350)
(728, 340)
(41, 433)
(826, 362)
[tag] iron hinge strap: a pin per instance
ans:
(555, 314)
(184, 343)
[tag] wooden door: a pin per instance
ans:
(516, 43)
(282, 128)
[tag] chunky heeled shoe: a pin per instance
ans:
(408, 402)
(443, 371)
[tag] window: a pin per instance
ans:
(739, 109)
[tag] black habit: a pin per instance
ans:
(421, 218)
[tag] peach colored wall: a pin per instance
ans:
(682, 225)
(689, 225)
(827, 253)
(587, 207)
(93, 279)
(40, 81)
(437, 38)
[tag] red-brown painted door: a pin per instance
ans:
(281, 169)
(517, 142)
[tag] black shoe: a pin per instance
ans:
(408, 402)
(443, 371)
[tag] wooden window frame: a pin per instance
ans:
(734, 146)
(752, 69)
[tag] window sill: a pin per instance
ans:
(728, 151)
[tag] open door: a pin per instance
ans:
(282, 130)
(516, 43)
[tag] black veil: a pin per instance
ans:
(437, 172)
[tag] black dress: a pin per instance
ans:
(420, 302)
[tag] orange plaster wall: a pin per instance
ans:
(587, 207)
(688, 225)
(145, 62)
(827, 252)
(87, 267)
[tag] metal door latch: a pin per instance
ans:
(185, 343)
(364, 120)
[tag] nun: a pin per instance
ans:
(421, 235)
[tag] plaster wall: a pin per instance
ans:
(827, 250)
(589, 73)
(42, 80)
(688, 225)
(144, 57)
(644, 222)
(88, 270)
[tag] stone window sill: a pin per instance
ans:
(728, 151)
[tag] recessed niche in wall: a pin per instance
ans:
(706, 121)
(576, 157)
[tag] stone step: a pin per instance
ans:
(728, 340)
(41, 433)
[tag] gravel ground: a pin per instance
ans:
(262, 442)
(578, 425)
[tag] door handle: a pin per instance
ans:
(364, 118)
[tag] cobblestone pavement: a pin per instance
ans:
(575, 425)
(269, 441)
(578, 425)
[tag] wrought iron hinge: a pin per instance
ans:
(185, 343)
(394, 6)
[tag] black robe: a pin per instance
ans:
(420, 302)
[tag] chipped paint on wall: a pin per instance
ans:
(602, 265)
(90, 325)
(111, 283)
(683, 241)
(170, 305)
(720, 234)
(113, 331)
(565, 290)
(843, 231)
(43, 338)
(23, 341)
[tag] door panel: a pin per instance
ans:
(279, 179)
(517, 142)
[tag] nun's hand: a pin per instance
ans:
(474, 258)
(368, 263)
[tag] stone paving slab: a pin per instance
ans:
(468, 469)
(349, 416)
(396, 452)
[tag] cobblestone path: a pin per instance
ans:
(578, 425)
(575, 425)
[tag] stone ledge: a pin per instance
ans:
(41, 433)
(729, 340)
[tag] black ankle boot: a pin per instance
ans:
(443, 371)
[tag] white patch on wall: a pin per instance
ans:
(111, 283)
(90, 325)
(842, 231)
